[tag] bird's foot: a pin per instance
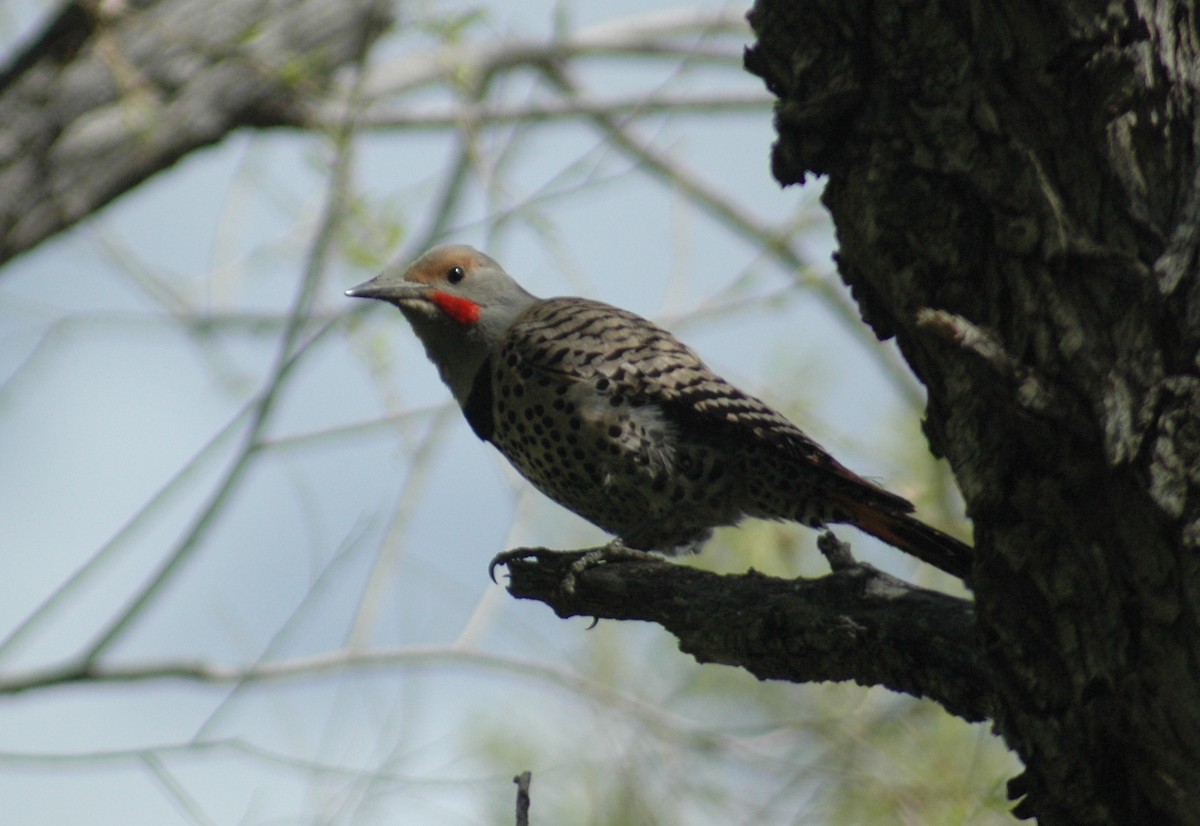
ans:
(615, 551)
(836, 552)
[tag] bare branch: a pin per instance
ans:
(291, 348)
(522, 781)
(658, 34)
(854, 624)
(403, 116)
(775, 242)
(662, 722)
(70, 142)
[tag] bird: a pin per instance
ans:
(615, 419)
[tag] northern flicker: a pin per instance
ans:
(615, 419)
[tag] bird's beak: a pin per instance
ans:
(390, 289)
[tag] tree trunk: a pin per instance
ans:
(1015, 191)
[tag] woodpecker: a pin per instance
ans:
(614, 418)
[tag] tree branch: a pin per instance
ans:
(855, 624)
(147, 84)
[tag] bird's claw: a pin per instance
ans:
(614, 551)
(505, 557)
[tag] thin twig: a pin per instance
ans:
(290, 348)
(522, 781)
(190, 541)
(332, 567)
(409, 118)
(107, 552)
(773, 242)
(642, 36)
(661, 722)
(379, 581)
(175, 790)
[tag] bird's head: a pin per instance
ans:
(460, 303)
(453, 285)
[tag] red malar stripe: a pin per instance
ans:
(459, 309)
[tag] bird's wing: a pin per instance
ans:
(576, 340)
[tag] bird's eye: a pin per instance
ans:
(455, 275)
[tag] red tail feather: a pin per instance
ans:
(915, 538)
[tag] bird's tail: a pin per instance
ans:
(914, 537)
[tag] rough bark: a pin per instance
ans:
(102, 100)
(1015, 190)
(855, 624)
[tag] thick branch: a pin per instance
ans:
(855, 624)
(103, 100)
